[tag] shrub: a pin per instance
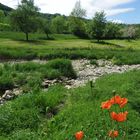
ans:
(64, 66)
(5, 27)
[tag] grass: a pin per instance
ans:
(58, 113)
(28, 111)
(29, 75)
(80, 110)
(68, 46)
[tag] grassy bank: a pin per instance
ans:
(29, 116)
(30, 75)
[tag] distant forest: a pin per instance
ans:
(76, 23)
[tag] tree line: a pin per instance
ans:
(27, 19)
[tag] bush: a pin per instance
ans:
(5, 27)
(64, 66)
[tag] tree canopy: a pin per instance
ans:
(24, 17)
(97, 26)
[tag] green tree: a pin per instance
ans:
(59, 24)
(45, 26)
(77, 23)
(24, 17)
(130, 32)
(138, 31)
(78, 11)
(97, 26)
(77, 26)
(112, 30)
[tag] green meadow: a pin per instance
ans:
(68, 46)
(28, 116)
(57, 114)
(73, 76)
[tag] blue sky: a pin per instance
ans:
(125, 11)
(129, 17)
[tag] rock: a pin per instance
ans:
(4, 95)
(54, 81)
(17, 91)
(86, 71)
(68, 86)
(8, 92)
(8, 97)
(2, 101)
(45, 85)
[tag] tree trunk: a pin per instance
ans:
(48, 36)
(27, 38)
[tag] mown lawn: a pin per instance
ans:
(12, 46)
(28, 117)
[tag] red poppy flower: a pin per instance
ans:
(79, 135)
(113, 115)
(113, 134)
(120, 117)
(106, 105)
(123, 102)
(115, 100)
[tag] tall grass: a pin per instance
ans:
(30, 75)
(28, 111)
(29, 114)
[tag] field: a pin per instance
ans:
(67, 46)
(58, 113)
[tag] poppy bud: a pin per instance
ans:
(79, 135)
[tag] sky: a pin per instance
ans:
(121, 11)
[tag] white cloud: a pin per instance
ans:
(65, 6)
(112, 12)
(116, 20)
(109, 6)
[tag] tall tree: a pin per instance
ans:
(59, 24)
(45, 26)
(112, 30)
(97, 26)
(76, 21)
(130, 32)
(24, 17)
(78, 11)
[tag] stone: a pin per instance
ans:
(8, 92)
(45, 85)
(17, 91)
(8, 97)
(68, 86)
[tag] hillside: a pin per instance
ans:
(5, 8)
